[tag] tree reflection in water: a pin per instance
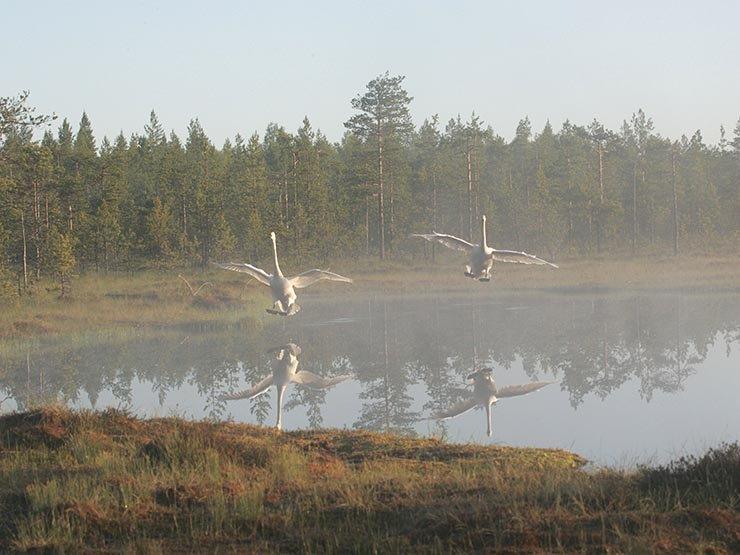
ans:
(409, 355)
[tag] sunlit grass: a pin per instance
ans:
(149, 298)
(73, 480)
(141, 300)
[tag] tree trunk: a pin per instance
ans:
(392, 223)
(675, 203)
(476, 187)
(434, 212)
(367, 226)
(381, 207)
(634, 209)
(36, 232)
(25, 252)
(468, 154)
(526, 184)
(600, 213)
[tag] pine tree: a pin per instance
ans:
(383, 115)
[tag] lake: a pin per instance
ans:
(639, 377)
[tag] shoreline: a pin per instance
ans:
(75, 480)
(149, 299)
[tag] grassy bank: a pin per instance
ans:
(162, 298)
(74, 480)
(145, 299)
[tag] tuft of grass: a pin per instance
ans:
(83, 480)
(713, 478)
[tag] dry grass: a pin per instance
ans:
(159, 299)
(119, 300)
(691, 273)
(107, 481)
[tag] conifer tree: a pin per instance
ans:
(383, 115)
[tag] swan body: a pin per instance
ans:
(282, 288)
(284, 372)
(481, 257)
(486, 394)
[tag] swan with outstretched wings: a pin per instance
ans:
(481, 257)
(284, 372)
(486, 394)
(282, 288)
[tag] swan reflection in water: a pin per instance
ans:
(284, 371)
(485, 394)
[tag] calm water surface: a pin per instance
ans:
(639, 378)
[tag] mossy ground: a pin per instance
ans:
(108, 481)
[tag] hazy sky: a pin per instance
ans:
(240, 65)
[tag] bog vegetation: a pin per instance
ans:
(79, 481)
(74, 202)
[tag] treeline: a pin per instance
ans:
(75, 202)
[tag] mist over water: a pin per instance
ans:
(639, 378)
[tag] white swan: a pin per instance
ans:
(486, 394)
(282, 288)
(284, 372)
(481, 257)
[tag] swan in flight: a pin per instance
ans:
(282, 288)
(481, 257)
(285, 371)
(485, 394)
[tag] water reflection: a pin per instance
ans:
(285, 371)
(409, 355)
(485, 394)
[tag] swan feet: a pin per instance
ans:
(485, 278)
(292, 309)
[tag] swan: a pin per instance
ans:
(481, 257)
(485, 394)
(282, 288)
(284, 372)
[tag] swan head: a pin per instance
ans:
(483, 218)
(482, 373)
(272, 235)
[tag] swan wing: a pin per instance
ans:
(257, 273)
(449, 241)
(519, 257)
(310, 379)
(310, 277)
(523, 389)
(458, 408)
(258, 389)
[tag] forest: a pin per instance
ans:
(74, 202)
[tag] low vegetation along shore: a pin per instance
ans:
(163, 298)
(106, 480)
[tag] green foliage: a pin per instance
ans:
(152, 200)
(162, 231)
(62, 258)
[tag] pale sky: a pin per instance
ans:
(240, 65)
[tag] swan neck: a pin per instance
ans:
(275, 256)
(280, 391)
(483, 233)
